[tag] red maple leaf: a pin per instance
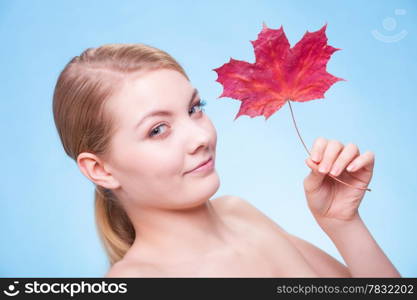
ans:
(280, 73)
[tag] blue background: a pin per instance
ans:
(46, 213)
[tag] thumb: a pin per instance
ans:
(315, 178)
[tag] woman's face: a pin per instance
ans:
(150, 155)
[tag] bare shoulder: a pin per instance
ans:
(239, 207)
(127, 269)
(324, 264)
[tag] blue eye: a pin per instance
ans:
(200, 104)
(151, 134)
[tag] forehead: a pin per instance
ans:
(141, 93)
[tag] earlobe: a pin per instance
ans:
(92, 168)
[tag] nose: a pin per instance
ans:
(198, 136)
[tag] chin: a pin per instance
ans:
(199, 194)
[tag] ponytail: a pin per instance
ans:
(114, 226)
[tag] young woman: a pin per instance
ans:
(133, 122)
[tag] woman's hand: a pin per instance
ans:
(329, 200)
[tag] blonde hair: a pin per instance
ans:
(84, 125)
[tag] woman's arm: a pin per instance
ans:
(335, 204)
(324, 264)
(359, 249)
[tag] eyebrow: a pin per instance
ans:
(164, 112)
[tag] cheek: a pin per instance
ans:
(152, 173)
(163, 162)
(146, 159)
(160, 162)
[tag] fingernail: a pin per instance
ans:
(351, 167)
(334, 171)
(322, 169)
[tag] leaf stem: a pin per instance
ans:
(296, 128)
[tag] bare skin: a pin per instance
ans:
(255, 246)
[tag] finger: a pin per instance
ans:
(366, 160)
(330, 154)
(318, 148)
(348, 154)
(313, 166)
(314, 180)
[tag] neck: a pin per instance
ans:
(180, 234)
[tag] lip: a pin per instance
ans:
(204, 167)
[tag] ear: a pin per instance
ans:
(93, 168)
